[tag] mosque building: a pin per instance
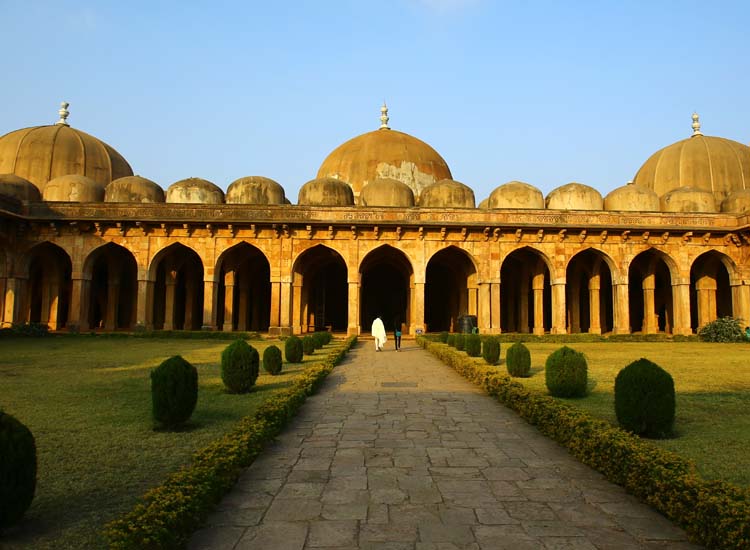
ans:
(382, 230)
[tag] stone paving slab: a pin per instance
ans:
(397, 451)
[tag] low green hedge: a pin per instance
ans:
(714, 513)
(168, 514)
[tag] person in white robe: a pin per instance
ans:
(378, 332)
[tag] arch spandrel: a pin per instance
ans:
(90, 254)
(614, 267)
(726, 260)
(452, 246)
(159, 254)
(385, 248)
(27, 254)
(539, 253)
(223, 253)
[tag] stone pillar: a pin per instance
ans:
(243, 305)
(9, 304)
(621, 308)
(495, 307)
(558, 307)
(296, 308)
(681, 308)
(285, 327)
(740, 302)
(473, 299)
(353, 327)
(145, 305)
(523, 301)
(417, 322)
(170, 281)
(650, 322)
(79, 303)
(229, 278)
(705, 289)
(574, 309)
(595, 322)
(210, 300)
(190, 292)
(113, 303)
(484, 320)
(537, 284)
(275, 320)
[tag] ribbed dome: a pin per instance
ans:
(326, 192)
(42, 153)
(255, 190)
(689, 199)
(385, 153)
(133, 189)
(73, 188)
(386, 192)
(447, 193)
(703, 162)
(632, 198)
(19, 188)
(195, 191)
(575, 196)
(738, 202)
(516, 194)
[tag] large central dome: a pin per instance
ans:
(385, 153)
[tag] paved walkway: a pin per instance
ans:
(399, 452)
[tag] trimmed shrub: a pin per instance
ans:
(272, 360)
(518, 360)
(174, 391)
(326, 337)
(491, 350)
(566, 373)
(645, 399)
(451, 340)
(460, 341)
(239, 366)
(724, 329)
(319, 339)
(17, 470)
(293, 349)
(473, 345)
(443, 337)
(308, 345)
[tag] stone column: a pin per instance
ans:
(296, 308)
(9, 304)
(417, 322)
(170, 281)
(595, 322)
(484, 320)
(681, 308)
(621, 308)
(705, 289)
(574, 310)
(495, 307)
(210, 300)
(275, 320)
(190, 291)
(537, 284)
(558, 307)
(243, 305)
(145, 305)
(740, 302)
(650, 322)
(523, 301)
(473, 299)
(113, 303)
(353, 327)
(285, 328)
(229, 278)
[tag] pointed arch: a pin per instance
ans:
(451, 289)
(244, 292)
(589, 297)
(710, 288)
(386, 288)
(177, 272)
(111, 273)
(650, 277)
(48, 286)
(320, 290)
(525, 292)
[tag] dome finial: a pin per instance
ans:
(63, 112)
(696, 125)
(384, 117)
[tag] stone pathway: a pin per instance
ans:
(397, 451)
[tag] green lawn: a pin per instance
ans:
(712, 382)
(88, 403)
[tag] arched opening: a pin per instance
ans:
(525, 293)
(650, 291)
(450, 289)
(710, 291)
(48, 286)
(178, 289)
(244, 295)
(320, 291)
(589, 293)
(112, 299)
(387, 280)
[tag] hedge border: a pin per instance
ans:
(168, 514)
(713, 513)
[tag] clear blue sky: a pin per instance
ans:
(543, 92)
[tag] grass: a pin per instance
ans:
(88, 403)
(712, 382)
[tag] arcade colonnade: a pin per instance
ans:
(293, 285)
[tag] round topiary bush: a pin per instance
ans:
(451, 340)
(460, 340)
(308, 345)
(272, 360)
(566, 373)
(17, 470)
(239, 366)
(473, 345)
(518, 360)
(319, 339)
(645, 399)
(491, 350)
(174, 392)
(293, 349)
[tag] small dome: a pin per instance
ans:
(447, 194)
(386, 192)
(19, 188)
(737, 202)
(703, 162)
(632, 198)
(255, 190)
(195, 191)
(42, 153)
(73, 188)
(517, 194)
(484, 204)
(574, 196)
(133, 189)
(689, 199)
(326, 192)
